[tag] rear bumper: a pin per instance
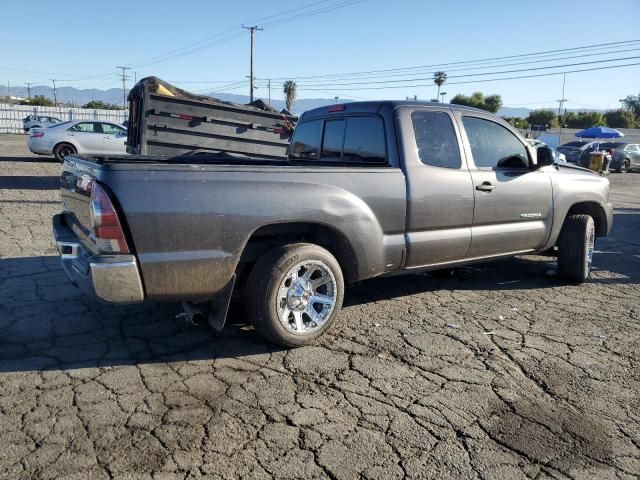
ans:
(112, 278)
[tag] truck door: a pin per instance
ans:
(513, 203)
(439, 188)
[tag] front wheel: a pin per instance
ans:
(575, 248)
(294, 293)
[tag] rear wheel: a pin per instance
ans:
(62, 150)
(294, 293)
(624, 166)
(575, 248)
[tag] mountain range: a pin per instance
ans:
(114, 95)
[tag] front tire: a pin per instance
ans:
(575, 248)
(294, 294)
(62, 150)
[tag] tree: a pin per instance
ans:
(38, 101)
(290, 91)
(583, 119)
(517, 122)
(492, 103)
(100, 105)
(632, 103)
(620, 119)
(439, 78)
(543, 117)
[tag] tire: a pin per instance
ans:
(62, 150)
(575, 248)
(624, 166)
(280, 304)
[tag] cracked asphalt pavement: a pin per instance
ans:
(497, 371)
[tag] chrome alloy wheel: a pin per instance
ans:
(306, 297)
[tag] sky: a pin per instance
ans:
(201, 46)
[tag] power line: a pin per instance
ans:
(463, 62)
(484, 80)
(501, 72)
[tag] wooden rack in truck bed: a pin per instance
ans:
(167, 121)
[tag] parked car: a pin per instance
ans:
(31, 121)
(573, 150)
(368, 189)
(78, 136)
(624, 156)
(535, 143)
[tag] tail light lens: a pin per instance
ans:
(37, 134)
(105, 223)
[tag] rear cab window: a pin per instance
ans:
(351, 140)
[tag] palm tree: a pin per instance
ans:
(289, 89)
(439, 78)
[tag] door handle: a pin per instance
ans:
(485, 187)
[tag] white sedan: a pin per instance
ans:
(78, 136)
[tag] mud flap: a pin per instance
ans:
(220, 306)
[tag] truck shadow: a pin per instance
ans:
(48, 324)
(29, 182)
(26, 159)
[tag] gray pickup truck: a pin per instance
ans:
(368, 189)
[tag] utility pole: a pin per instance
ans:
(55, 93)
(8, 92)
(442, 94)
(28, 90)
(124, 77)
(269, 87)
(251, 29)
(561, 103)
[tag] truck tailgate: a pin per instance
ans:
(76, 181)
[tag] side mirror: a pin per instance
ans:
(546, 156)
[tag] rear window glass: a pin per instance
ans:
(333, 139)
(436, 139)
(364, 140)
(86, 127)
(306, 140)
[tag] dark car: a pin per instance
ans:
(624, 156)
(574, 150)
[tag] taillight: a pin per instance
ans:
(37, 134)
(105, 223)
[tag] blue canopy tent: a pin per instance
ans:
(599, 132)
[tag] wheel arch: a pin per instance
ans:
(270, 236)
(595, 211)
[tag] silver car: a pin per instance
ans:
(31, 121)
(78, 136)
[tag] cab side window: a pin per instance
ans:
(493, 146)
(436, 139)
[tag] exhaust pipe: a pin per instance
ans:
(195, 315)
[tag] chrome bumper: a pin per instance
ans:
(112, 278)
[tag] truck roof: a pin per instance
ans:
(376, 106)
